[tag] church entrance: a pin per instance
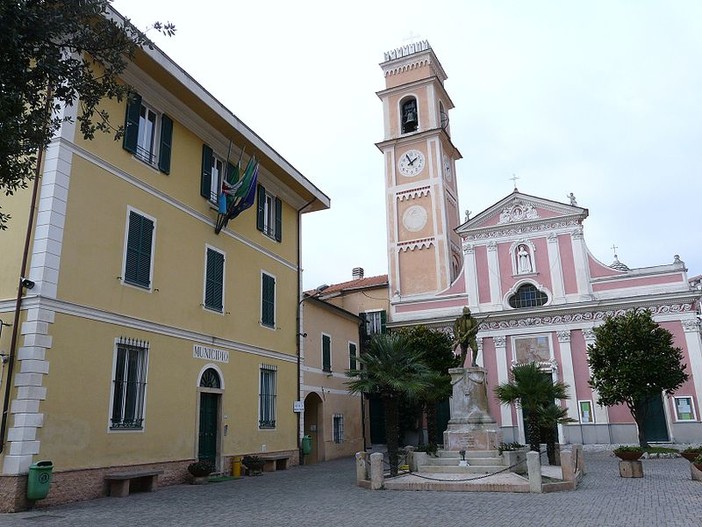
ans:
(654, 421)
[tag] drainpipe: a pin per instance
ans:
(22, 283)
(298, 325)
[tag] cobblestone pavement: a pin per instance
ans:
(326, 495)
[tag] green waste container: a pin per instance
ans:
(307, 445)
(39, 480)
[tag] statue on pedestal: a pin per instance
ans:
(465, 328)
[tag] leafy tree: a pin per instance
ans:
(534, 390)
(54, 53)
(435, 348)
(391, 369)
(632, 361)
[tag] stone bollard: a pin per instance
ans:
(631, 469)
(534, 469)
(361, 466)
(568, 467)
(376, 471)
(695, 473)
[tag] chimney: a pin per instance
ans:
(357, 273)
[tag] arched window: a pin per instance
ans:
(528, 296)
(410, 118)
(210, 379)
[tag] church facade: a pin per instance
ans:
(522, 266)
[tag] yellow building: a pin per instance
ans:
(145, 339)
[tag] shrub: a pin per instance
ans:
(201, 468)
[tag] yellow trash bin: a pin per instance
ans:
(236, 466)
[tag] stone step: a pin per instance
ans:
(469, 453)
(453, 462)
(472, 469)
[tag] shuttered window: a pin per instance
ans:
(326, 353)
(214, 280)
(269, 214)
(267, 300)
(137, 264)
(140, 134)
(352, 356)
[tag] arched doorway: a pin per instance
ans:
(314, 427)
(210, 394)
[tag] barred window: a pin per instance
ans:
(338, 428)
(267, 396)
(129, 384)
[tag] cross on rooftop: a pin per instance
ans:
(412, 37)
(614, 248)
(514, 179)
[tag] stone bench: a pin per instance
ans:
(275, 462)
(146, 480)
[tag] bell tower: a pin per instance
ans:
(424, 252)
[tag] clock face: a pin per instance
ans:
(411, 163)
(447, 168)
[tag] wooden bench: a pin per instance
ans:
(145, 480)
(275, 462)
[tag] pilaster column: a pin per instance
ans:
(494, 275)
(471, 275)
(582, 271)
(502, 375)
(568, 374)
(554, 263)
(601, 413)
(693, 343)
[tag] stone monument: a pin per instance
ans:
(471, 427)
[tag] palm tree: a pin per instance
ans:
(534, 390)
(391, 369)
(551, 416)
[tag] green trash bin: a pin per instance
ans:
(307, 445)
(39, 480)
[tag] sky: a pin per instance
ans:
(601, 98)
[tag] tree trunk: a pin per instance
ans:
(432, 431)
(638, 412)
(534, 431)
(391, 432)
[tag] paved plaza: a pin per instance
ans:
(326, 495)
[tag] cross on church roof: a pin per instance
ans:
(614, 248)
(514, 179)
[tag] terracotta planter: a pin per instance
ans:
(628, 456)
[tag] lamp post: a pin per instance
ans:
(300, 335)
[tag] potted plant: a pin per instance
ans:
(690, 453)
(628, 453)
(200, 470)
(698, 462)
(253, 464)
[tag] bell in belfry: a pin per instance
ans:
(411, 117)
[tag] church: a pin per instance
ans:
(522, 266)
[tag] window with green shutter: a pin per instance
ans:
(269, 217)
(129, 384)
(326, 353)
(267, 300)
(353, 355)
(141, 130)
(214, 280)
(137, 261)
